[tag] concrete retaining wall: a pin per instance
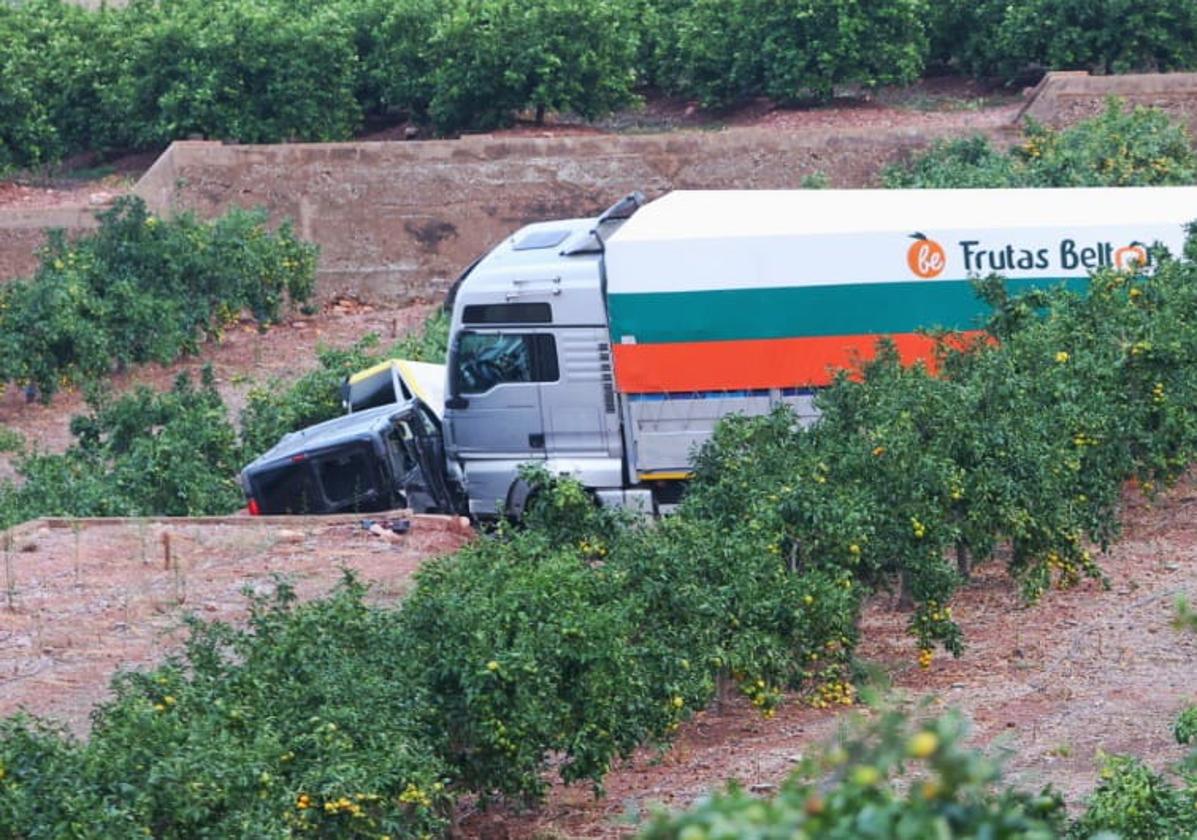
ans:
(397, 221)
(22, 232)
(1063, 98)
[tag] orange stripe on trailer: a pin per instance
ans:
(754, 363)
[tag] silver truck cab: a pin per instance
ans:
(529, 376)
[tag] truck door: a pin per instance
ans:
(579, 409)
(494, 409)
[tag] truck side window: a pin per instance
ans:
(508, 313)
(484, 360)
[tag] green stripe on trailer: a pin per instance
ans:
(855, 309)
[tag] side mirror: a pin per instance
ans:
(457, 403)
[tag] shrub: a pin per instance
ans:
(295, 725)
(961, 34)
(141, 75)
(168, 453)
(1186, 616)
(11, 440)
(1112, 36)
(28, 136)
(525, 650)
(247, 71)
(43, 775)
(968, 163)
(540, 641)
(396, 59)
(143, 289)
(77, 61)
(515, 54)
(580, 636)
(1185, 729)
(855, 789)
(1136, 803)
(1016, 40)
(722, 53)
(1119, 147)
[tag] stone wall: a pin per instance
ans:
(397, 221)
(22, 232)
(1063, 98)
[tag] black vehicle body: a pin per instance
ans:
(367, 461)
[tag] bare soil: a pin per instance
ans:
(21, 196)
(1048, 686)
(82, 600)
(79, 183)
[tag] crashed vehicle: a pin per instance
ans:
(370, 460)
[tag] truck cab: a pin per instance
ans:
(529, 374)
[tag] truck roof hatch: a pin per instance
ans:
(541, 239)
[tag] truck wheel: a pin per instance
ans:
(519, 495)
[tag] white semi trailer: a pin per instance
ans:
(607, 348)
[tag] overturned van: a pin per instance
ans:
(370, 460)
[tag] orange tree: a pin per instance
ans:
(884, 780)
(143, 453)
(582, 636)
(142, 289)
(1118, 147)
(295, 725)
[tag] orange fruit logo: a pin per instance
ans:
(925, 257)
(1130, 256)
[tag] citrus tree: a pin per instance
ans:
(887, 779)
(1119, 147)
(722, 53)
(547, 55)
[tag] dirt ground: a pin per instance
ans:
(1048, 686)
(80, 601)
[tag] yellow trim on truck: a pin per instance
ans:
(666, 475)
